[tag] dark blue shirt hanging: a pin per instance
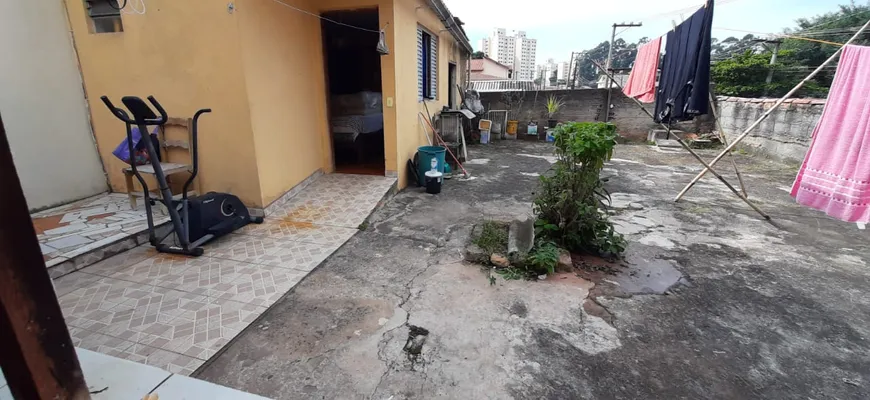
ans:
(684, 85)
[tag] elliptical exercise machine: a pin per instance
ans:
(195, 220)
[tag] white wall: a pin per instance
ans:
(43, 105)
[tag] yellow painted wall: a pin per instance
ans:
(284, 68)
(187, 54)
(284, 74)
(261, 70)
(410, 13)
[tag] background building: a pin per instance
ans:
(483, 45)
(487, 69)
(513, 49)
(524, 56)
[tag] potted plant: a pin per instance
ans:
(553, 105)
(514, 102)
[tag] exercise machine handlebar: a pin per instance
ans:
(194, 128)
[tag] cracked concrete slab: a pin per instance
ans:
(709, 302)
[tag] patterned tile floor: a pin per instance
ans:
(174, 312)
(77, 228)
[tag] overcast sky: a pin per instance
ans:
(563, 26)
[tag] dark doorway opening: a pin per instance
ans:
(353, 72)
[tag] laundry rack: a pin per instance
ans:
(499, 120)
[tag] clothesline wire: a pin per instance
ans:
(673, 13)
(780, 35)
(826, 32)
(327, 19)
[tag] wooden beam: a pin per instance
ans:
(36, 351)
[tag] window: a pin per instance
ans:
(105, 16)
(427, 65)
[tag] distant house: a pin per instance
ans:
(603, 80)
(487, 69)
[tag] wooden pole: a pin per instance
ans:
(689, 149)
(725, 142)
(768, 112)
(36, 352)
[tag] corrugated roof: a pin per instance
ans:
(502, 86)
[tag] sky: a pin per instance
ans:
(563, 26)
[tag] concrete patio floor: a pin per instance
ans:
(710, 302)
(175, 312)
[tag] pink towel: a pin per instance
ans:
(835, 176)
(641, 82)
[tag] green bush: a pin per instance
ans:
(571, 204)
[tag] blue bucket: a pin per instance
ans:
(425, 155)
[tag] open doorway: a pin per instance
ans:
(353, 71)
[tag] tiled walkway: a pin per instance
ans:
(175, 312)
(67, 234)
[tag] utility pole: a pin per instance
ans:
(776, 44)
(574, 69)
(570, 72)
(609, 67)
(773, 57)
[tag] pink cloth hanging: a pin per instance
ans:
(835, 176)
(641, 82)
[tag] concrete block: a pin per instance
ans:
(475, 254)
(521, 236)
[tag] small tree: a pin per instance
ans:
(571, 202)
(513, 100)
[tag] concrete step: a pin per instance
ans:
(668, 143)
(655, 134)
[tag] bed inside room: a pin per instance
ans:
(353, 68)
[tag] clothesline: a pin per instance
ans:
(833, 178)
(781, 35)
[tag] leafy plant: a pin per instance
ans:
(571, 204)
(553, 105)
(544, 258)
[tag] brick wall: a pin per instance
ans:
(587, 105)
(786, 134)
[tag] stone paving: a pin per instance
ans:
(175, 312)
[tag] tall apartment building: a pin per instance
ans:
(483, 45)
(513, 49)
(524, 56)
(560, 70)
